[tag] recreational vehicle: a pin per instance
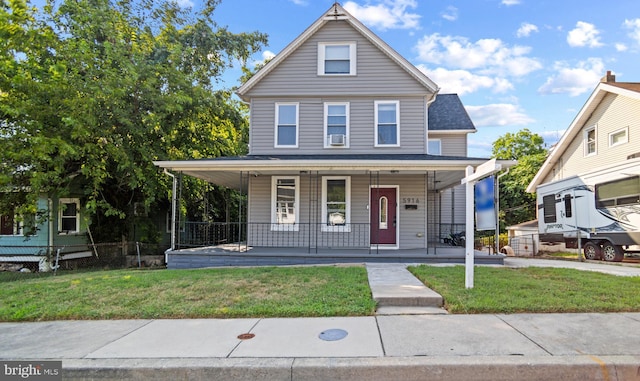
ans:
(598, 211)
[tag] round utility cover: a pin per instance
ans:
(333, 334)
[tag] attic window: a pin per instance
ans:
(337, 58)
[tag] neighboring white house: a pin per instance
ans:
(603, 137)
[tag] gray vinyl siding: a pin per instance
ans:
(411, 223)
(297, 75)
(615, 112)
(451, 145)
(361, 136)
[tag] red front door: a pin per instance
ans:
(383, 216)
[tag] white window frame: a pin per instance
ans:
(377, 105)
(439, 141)
(626, 137)
(586, 141)
(326, 124)
(275, 225)
(61, 202)
(346, 228)
(277, 119)
(352, 57)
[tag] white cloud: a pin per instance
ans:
(498, 114)
(300, 2)
(634, 25)
(526, 29)
(510, 2)
(268, 54)
(185, 3)
(574, 80)
(464, 82)
(387, 14)
(552, 137)
(450, 14)
(620, 47)
(490, 56)
(584, 34)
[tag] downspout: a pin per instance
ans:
(173, 213)
(426, 121)
(50, 230)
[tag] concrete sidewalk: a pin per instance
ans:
(383, 347)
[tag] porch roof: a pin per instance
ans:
(227, 171)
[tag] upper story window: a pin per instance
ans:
(336, 125)
(434, 147)
(69, 216)
(285, 195)
(387, 124)
(337, 58)
(286, 125)
(619, 137)
(590, 145)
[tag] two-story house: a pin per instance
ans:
(590, 182)
(351, 146)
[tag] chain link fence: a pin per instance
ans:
(23, 262)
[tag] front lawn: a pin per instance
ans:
(205, 293)
(531, 290)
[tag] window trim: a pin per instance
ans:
(326, 124)
(278, 226)
(626, 135)
(352, 58)
(276, 124)
(439, 141)
(376, 106)
(60, 217)
(346, 228)
(586, 141)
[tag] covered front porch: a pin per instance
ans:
(302, 209)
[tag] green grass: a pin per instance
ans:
(301, 292)
(205, 293)
(531, 290)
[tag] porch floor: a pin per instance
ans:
(241, 255)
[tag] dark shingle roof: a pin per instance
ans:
(448, 114)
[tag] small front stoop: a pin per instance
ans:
(398, 292)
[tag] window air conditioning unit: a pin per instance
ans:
(336, 139)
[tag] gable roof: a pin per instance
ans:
(448, 114)
(626, 89)
(337, 12)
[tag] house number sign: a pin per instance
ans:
(410, 200)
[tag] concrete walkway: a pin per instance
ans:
(383, 347)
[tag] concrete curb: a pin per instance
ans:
(579, 368)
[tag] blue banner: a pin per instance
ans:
(485, 204)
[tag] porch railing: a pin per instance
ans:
(265, 234)
(300, 235)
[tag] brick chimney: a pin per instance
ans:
(609, 78)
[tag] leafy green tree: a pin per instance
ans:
(92, 91)
(516, 205)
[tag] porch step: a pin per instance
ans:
(397, 291)
(411, 311)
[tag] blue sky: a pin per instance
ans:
(514, 63)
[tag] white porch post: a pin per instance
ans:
(469, 231)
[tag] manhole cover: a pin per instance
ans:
(246, 336)
(333, 334)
